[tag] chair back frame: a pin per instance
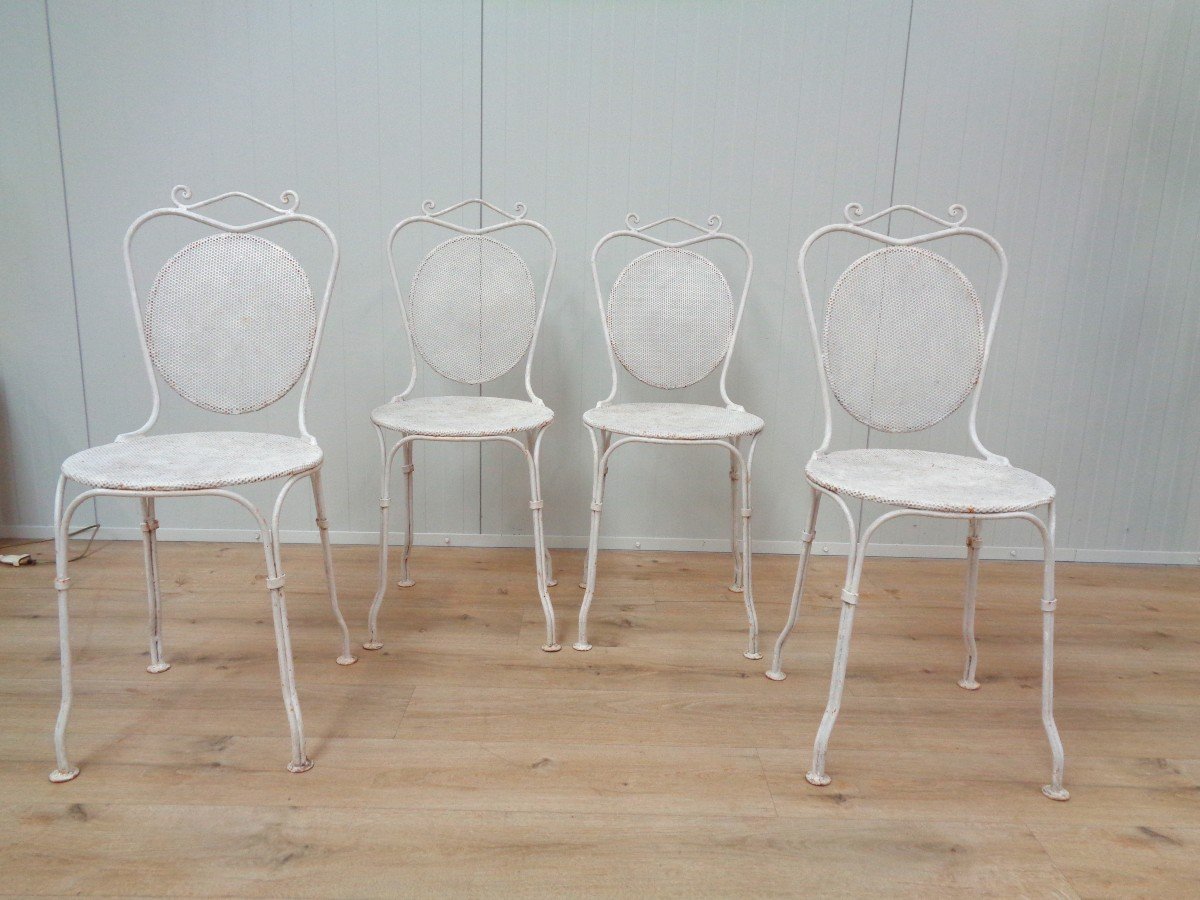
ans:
(434, 216)
(182, 209)
(710, 233)
(856, 224)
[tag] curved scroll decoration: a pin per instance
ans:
(430, 209)
(854, 214)
(633, 222)
(181, 193)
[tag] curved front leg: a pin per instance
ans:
(386, 458)
(347, 658)
(283, 640)
(776, 673)
(533, 454)
(599, 472)
(65, 771)
(837, 679)
(1054, 790)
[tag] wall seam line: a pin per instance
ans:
(479, 388)
(895, 166)
(62, 172)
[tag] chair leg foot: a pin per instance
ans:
(297, 768)
(373, 645)
(1049, 790)
(551, 648)
(754, 655)
(968, 685)
(156, 668)
(60, 776)
(737, 588)
(817, 780)
(777, 675)
(581, 646)
(347, 660)
(407, 582)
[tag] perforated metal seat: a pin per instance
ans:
(673, 421)
(462, 416)
(919, 479)
(192, 461)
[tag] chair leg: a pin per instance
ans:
(734, 538)
(65, 771)
(407, 469)
(752, 651)
(599, 473)
(551, 581)
(776, 673)
(153, 590)
(974, 542)
(347, 658)
(1054, 790)
(283, 646)
(841, 656)
(541, 557)
(373, 642)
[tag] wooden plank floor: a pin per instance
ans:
(461, 760)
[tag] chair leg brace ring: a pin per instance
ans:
(406, 469)
(61, 583)
(746, 513)
(152, 525)
(535, 504)
(276, 584)
(384, 503)
(849, 598)
(807, 537)
(1049, 605)
(596, 507)
(974, 542)
(322, 523)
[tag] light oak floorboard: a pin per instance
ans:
(461, 760)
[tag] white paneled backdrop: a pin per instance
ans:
(1068, 129)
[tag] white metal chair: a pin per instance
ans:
(902, 347)
(671, 320)
(231, 324)
(472, 314)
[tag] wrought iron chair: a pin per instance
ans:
(231, 324)
(671, 320)
(472, 314)
(902, 347)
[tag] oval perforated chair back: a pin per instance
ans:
(472, 308)
(903, 339)
(670, 317)
(230, 322)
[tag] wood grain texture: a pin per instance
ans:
(463, 761)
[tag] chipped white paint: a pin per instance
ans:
(212, 310)
(670, 321)
(941, 356)
(472, 314)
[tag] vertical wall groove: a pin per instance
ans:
(62, 168)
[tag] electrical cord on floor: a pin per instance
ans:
(94, 529)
